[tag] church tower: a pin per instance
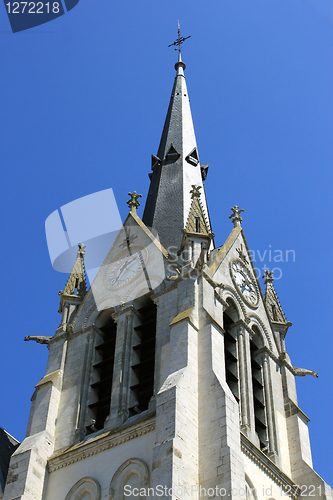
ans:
(168, 378)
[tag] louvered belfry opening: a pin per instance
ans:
(143, 359)
(103, 367)
(258, 396)
(231, 356)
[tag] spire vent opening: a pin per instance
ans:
(172, 154)
(193, 157)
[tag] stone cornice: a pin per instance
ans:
(184, 316)
(269, 467)
(165, 290)
(98, 444)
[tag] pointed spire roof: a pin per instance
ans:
(197, 222)
(175, 169)
(76, 284)
(273, 305)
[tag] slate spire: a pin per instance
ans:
(175, 169)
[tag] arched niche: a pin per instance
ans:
(86, 488)
(104, 317)
(251, 492)
(257, 337)
(133, 473)
(232, 310)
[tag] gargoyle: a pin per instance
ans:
(38, 339)
(301, 372)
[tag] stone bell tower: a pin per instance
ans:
(169, 377)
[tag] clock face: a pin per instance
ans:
(126, 267)
(244, 282)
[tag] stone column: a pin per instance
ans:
(121, 368)
(242, 378)
(268, 401)
(251, 417)
(86, 373)
(65, 313)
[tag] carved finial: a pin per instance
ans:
(76, 284)
(268, 276)
(195, 191)
(235, 216)
(82, 250)
(133, 202)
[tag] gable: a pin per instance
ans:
(231, 266)
(135, 265)
(196, 221)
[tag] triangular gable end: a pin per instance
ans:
(196, 221)
(236, 248)
(135, 262)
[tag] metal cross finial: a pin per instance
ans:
(180, 40)
(235, 216)
(268, 276)
(133, 202)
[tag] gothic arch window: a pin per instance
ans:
(230, 316)
(86, 488)
(143, 357)
(259, 400)
(251, 492)
(133, 473)
(101, 380)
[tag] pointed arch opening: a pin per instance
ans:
(230, 316)
(102, 371)
(259, 403)
(143, 357)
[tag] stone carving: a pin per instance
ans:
(235, 216)
(39, 339)
(133, 203)
(299, 372)
(242, 255)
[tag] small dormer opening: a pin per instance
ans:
(197, 225)
(274, 312)
(76, 287)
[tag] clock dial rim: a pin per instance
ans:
(250, 279)
(118, 261)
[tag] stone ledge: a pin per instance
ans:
(103, 442)
(269, 467)
(291, 409)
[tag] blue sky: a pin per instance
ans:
(83, 102)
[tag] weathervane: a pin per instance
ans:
(180, 40)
